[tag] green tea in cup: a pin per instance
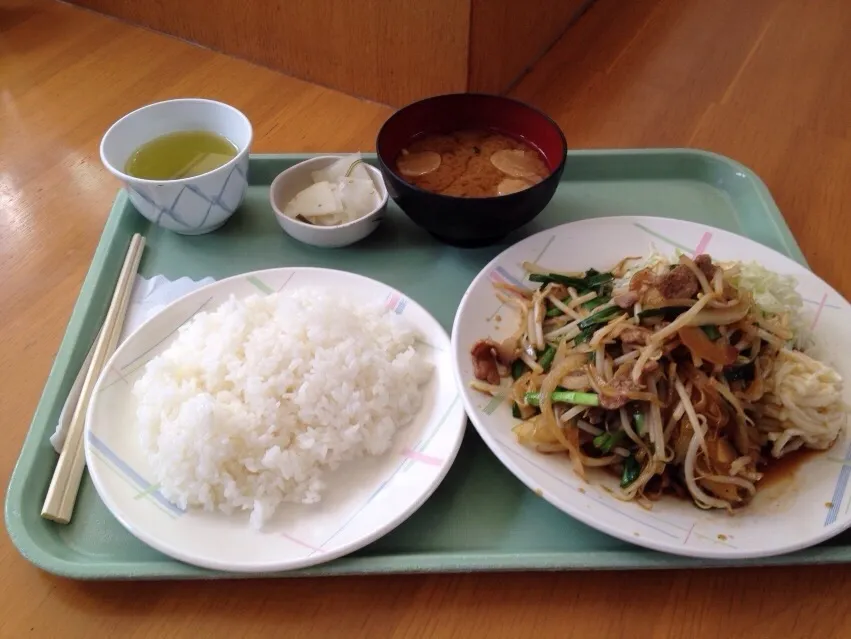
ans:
(181, 154)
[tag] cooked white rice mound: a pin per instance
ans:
(255, 402)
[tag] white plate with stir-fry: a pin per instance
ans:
(673, 385)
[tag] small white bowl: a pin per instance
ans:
(296, 178)
(193, 205)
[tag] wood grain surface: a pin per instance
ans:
(507, 37)
(394, 52)
(765, 81)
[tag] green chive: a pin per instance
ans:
(589, 281)
(600, 317)
(583, 337)
(545, 359)
(606, 441)
(638, 418)
(555, 278)
(565, 397)
(711, 331)
(590, 305)
(631, 471)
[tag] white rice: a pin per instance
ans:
(254, 403)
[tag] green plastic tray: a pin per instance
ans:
(481, 517)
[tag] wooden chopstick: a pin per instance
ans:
(65, 484)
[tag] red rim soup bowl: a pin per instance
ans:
(471, 221)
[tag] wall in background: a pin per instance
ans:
(392, 52)
(508, 36)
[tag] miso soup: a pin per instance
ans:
(471, 163)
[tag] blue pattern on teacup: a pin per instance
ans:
(192, 208)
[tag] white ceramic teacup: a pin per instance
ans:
(192, 205)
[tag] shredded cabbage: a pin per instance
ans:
(653, 259)
(777, 294)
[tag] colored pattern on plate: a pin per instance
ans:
(364, 499)
(808, 508)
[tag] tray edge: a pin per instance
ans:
(83, 307)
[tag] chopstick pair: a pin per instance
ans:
(65, 484)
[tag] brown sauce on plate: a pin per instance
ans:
(778, 471)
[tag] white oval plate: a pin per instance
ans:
(807, 508)
(364, 499)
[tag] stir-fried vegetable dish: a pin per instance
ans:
(665, 372)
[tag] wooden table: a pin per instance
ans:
(765, 81)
